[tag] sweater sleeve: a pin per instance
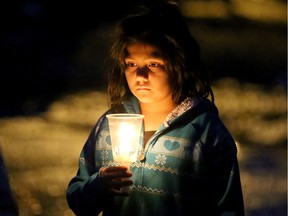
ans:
(85, 193)
(224, 169)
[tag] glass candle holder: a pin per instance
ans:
(125, 133)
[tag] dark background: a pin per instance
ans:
(49, 48)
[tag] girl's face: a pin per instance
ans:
(146, 74)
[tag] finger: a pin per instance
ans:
(116, 192)
(115, 169)
(121, 183)
(115, 174)
(116, 184)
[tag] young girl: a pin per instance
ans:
(188, 164)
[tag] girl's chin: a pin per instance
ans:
(144, 99)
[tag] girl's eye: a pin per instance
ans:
(153, 64)
(131, 64)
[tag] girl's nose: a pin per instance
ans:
(142, 74)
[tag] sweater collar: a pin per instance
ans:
(132, 106)
(185, 105)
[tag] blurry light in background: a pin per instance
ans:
(261, 10)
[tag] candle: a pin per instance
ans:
(125, 131)
(127, 136)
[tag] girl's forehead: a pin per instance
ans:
(148, 49)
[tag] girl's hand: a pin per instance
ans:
(114, 178)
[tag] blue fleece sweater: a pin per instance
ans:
(190, 168)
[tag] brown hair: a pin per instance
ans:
(164, 27)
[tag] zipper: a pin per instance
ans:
(142, 155)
